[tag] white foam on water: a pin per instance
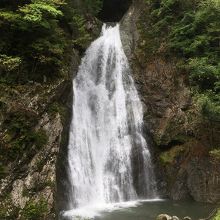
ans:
(90, 212)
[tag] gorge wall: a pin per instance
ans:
(34, 127)
(183, 138)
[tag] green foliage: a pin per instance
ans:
(3, 213)
(19, 122)
(204, 74)
(8, 63)
(35, 210)
(217, 216)
(190, 30)
(55, 108)
(37, 11)
(26, 31)
(20, 135)
(36, 36)
(215, 153)
(82, 36)
(39, 138)
(171, 155)
(8, 213)
(210, 106)
(3, 171)
(93, 6)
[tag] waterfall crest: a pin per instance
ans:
(109, 160)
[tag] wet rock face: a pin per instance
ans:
(165, 99)
(128, 29)
(165, 96)
(40, 176)
(173, 120)
(38, 115)
(199, 179)
(31, 177)
(204, 179)
(182, 137)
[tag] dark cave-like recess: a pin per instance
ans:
(114, 10)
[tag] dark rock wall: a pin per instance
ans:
(32, 178)
(113, 10)
(182, 137)
(204, 179)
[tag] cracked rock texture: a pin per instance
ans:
(31, 176)
(182, 139)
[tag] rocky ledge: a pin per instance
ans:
(185, 144)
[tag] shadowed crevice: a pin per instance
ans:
(114, 10)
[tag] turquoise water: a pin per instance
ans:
(149, 211)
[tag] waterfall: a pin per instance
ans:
(109, 160)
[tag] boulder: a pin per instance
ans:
(163, 217)
(187, 218)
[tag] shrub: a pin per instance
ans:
(35, 210)
(215, 153)
(172, 154)
(217, 216)
(36, 38)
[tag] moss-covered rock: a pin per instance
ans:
(169, 156)
(34, 210)
(217, 216)
(215, 153)
(30, 139)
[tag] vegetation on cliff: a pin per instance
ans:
(179, 43)
(36, 37)
(217, 216)
(38, 41)
(188, 30)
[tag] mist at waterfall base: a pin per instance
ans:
(109, 160)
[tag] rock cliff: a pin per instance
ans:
(34, 126)
(183, 138)
(29, 176)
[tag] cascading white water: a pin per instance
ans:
(107, 150)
